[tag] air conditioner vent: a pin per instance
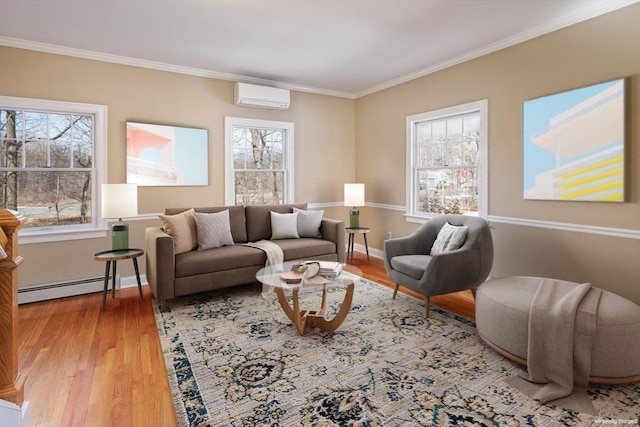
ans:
(249, 95)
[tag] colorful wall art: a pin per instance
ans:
(573, 145)
(159, 155)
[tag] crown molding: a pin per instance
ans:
(160, 66)
(585, 14)
(597, 9)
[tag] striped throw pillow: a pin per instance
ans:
(449, 238)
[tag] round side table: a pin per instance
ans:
(352, 237)
(115, 256)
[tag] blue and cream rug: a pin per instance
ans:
(234, 359)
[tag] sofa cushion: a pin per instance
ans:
(309, 223)
(237, 219)
(284, 226)
(259, 219)
(213, 229)
(305, 248)
(182, 228)
(218, 259)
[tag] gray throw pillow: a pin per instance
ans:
(213, 229)
(309, 223)
(284, 226)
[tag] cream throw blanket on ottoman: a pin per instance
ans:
(562, 329)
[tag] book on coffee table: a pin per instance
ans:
(330, 269)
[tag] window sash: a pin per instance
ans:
(464, 126)
(238, 159)
(97, 226)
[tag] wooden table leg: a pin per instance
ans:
(315, 318)
(331, 325)
(282, 299)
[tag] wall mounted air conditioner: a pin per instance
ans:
(261, 96)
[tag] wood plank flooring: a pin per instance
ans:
(87, 367)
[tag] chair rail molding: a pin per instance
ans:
(624, 233)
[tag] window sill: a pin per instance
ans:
(26, 238)
(421, 219)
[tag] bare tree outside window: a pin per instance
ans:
(46, 166)
(258, 161)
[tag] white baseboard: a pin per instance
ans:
(377, 253)
(131, 282)
(14, 415)
(48, 291)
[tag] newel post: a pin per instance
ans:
(11, 381)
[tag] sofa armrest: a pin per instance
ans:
(160, 263)
(333, 231)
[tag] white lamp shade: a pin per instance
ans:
(354, 194)
(119, 200)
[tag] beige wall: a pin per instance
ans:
(324, 138)
(598, 50)
(326, 155)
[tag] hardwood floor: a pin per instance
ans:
(87, 367)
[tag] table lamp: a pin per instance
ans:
(354, 196)
(118, 201)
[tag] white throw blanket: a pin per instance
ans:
(562, 328)
(275, 257)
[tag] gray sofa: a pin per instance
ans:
(171, 275)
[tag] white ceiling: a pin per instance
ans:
(341, 47)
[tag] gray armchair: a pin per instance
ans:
(409, 264)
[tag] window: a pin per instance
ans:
(446, 162)
(259, 162)
(50, 158)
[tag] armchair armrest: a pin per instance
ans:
(333, 231)
(160, 263)
(418, 242)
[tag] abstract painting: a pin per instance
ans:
(573, 145)
(160, 155)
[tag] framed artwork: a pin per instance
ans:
(573, 145)
(160, 155)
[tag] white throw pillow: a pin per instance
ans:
(284, 226)
(449, 238)
(182, 228)
(213, 229)
(309, 223)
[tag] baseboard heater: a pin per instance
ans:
(49, 291)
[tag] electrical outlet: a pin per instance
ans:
(388, 235)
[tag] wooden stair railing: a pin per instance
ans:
(11, 381)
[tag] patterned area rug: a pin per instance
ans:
(234, 359)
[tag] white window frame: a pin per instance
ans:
(287, 127)
(98, 226)
(412, 213)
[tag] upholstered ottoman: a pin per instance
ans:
(502, 321)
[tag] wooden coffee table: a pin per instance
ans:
(308, 318)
